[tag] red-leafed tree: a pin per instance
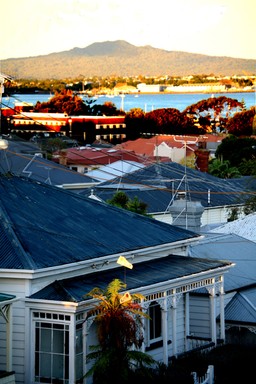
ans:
(241, 124)
(213, 113)
(168, 121)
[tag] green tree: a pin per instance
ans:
(236, 150)
(222, 169)
(121, 200)
(137, 206)
(118, 328)
(248, 167)
(250, 205)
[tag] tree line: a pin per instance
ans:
(213, 115)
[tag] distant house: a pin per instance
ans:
(81, 128)
(174, 147)
(55, 246)
(85, 159)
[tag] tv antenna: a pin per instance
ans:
(185, 145)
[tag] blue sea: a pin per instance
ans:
(147, 102)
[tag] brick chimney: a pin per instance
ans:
(202, 157)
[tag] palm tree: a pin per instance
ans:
(118, 324)
(223, 170)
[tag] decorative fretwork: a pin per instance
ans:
(4, 311)
(89, 322)
(195, 285)
(173, 295)
(174, 299)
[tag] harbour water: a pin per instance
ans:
(146, 102)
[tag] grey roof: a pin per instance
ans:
(233, 248)
(118, 168)
(25, 159)
(244, 227)
(145, 273)
(156, 184)
(44, 226)
(241, 309)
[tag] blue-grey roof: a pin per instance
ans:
(44, 226)
(162, 180)
(143, 274)
(240, 309)
(4, 297)
(235, 249)
(25, 159)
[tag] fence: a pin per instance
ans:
(208, 378)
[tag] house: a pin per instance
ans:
(84, 159)
(160, 185)
(55, 246)
(174, 147)
(239, 283)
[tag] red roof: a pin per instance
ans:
(146, 146)
(100, 156)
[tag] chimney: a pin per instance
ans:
(202, 157)
(63, 157)
(186, 214)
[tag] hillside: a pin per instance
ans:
(120, 58)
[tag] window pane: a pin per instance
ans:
(155, 324)
(58, 346)
(57, 366)
(79, 341)
(45, 340)
(45, 365)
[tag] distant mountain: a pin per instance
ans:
(120, 58)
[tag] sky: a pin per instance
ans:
(209, 27)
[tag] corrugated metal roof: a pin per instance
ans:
(244, 227)
(38, 168)
(118, 168)
(44, 226)
(234, 249)
(143, 274)
(240, 310)
(250, 294)
(168, 177)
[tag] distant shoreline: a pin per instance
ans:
(136, 93)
